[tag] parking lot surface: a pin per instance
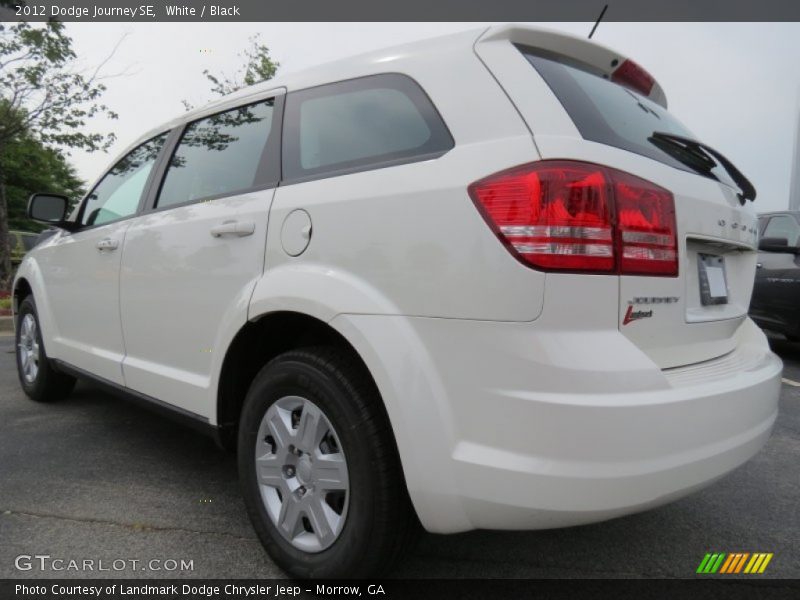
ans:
(95, 478)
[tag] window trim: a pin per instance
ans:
(762, 223)
(440, 132)
(267, 172)
(145, 190)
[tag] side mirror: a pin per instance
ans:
(51, 209)
(776, 244)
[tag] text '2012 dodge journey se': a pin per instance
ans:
(480, 281)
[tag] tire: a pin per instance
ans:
(371, 523)
(39, 380)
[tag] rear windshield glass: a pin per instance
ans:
(608, 113)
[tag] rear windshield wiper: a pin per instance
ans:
(696, 158)
(703, 158)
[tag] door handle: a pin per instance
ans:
(759, 265)
(107, 244)
(233, 228)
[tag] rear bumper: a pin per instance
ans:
(626, 452)
(527, 429)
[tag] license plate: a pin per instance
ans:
(713, 283)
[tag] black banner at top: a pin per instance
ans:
(405, 10)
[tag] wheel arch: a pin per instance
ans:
(399, 368)
(22, 289)
(29, 282)
(254, 345)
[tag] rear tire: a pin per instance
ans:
(39, 380)
(369, 520)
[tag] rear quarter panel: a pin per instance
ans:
(407, 239)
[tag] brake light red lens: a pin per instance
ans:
(631, 75)
(574, 216)
(646, 227)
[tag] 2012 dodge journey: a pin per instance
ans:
(480, 281)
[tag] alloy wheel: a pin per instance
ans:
(302, 473)
(28, 348)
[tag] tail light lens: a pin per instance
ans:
(574, 216)
(645, 227)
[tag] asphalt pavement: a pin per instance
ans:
(94, 478)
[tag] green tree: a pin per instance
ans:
(257, 66)
(30, 167)
(46, 97)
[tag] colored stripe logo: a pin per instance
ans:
(734, 562)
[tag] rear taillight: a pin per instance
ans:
(574, 216)
(633, 76)
(645, 226)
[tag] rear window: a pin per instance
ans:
(356, 125)
(360, 124)
(608, 113)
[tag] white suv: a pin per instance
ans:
(480, 281)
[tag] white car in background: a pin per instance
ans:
(480, 281)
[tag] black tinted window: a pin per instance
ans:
(608, 113)
(361, 123)
(222, 154)
(118, 193)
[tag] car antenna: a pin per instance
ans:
(600, 18)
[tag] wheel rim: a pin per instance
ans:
(302, 474)
(28, 348)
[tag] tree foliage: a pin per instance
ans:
(30, 167)
(45, 99)
(257, 66)
(43, 93)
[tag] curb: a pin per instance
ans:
(6, 324)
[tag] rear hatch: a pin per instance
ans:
(586, 103)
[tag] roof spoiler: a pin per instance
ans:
(585, 54)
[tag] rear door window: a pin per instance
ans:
(360, 124)
(224, 154)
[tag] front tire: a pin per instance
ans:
(320, 472)
(39, 380)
